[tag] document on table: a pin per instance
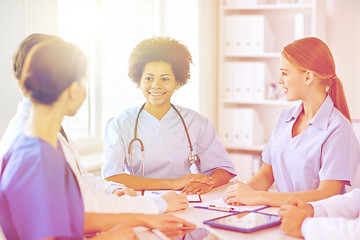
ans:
(220, 205)
(192, 198)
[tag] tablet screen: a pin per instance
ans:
(245, 221)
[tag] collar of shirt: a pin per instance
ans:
(168, 115)
(24, 105)
(321, 118)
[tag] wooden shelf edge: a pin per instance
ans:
(253, 55)
(289, 6)
(246, 150)
(261, 102)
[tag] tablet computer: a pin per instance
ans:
(245, 221)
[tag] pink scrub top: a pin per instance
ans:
(39, 194)
(326, 150)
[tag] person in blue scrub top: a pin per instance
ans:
(154, 146)
(39, 195)
(98, 194)
(313, 151)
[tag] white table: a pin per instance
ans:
(197, 216)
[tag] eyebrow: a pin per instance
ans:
(164, 74)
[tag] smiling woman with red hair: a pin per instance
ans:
(313, 54)
(313, 151)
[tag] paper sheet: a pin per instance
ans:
(219, 204)
(191, 198)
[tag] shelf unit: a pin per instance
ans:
(252, 35)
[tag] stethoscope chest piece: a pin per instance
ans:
(192, 157)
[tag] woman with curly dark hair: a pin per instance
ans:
(159, 142)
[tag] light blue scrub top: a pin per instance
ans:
(165, 143)
(326, 150)
(39, 195)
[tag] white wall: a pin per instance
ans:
(12, 29)
(208, 58)
(18, 19)
(180, 21)
(343, 38)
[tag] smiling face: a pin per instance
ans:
(293, 81)
(158, 84)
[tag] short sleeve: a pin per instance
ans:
(114, 151)
(212, 153)
(266, 154)
(340, 155)
(38, 197)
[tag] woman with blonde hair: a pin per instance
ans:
(313, 152)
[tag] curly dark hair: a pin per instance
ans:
(160, 49)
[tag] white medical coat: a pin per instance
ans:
(336, 217)
(95, 190)
(166, 147)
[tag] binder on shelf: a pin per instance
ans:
(228, 86)
(237, 128)
(259, 70)
(244, 81)
(244, 34)
(253, 130)
(240, 127)
(256, 164)
(229, 32)
(243, 165)
(226, 122)
(247, 80)
(255, 33)
(239, 34)
(238, 81)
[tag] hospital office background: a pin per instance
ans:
(235, 45)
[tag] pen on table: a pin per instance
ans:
(156, 193)
(221, 208)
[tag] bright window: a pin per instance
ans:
(107, 31)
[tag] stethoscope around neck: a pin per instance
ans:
(192, 158)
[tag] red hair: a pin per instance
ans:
(313, 54)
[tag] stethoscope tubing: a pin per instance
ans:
(192, 157)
